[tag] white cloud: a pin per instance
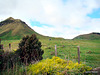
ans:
(68, 19)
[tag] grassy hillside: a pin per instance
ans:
(12, 30)
(91, 36)
(90, 49)
(15, 29)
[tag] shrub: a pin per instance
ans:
(9, 60)
(1, 59)
(30, 49)
(56, 66)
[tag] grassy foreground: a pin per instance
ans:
(67, 49)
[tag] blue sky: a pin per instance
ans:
(95, 13)
(56, 18)
(38, 24)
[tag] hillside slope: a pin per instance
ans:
(91, 36)
(15, 29)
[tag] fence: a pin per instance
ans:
(74, 53)
(69, 52)
(78, 52)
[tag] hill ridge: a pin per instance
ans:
(90, 36)
(15, 29)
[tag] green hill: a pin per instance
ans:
(91, 36)
(15, 29)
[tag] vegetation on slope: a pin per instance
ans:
(89, 49)
(14, 29)
(91, 36)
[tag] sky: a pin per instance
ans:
(55, 18)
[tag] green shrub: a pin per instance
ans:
(1, 59)
(9, 60)
(30, 49)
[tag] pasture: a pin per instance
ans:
(66, 49)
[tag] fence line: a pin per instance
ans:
(56, 52)
(69, 55)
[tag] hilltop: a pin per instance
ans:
(15, 29)
(90, 36)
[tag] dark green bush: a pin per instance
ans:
(9, 60)
(30, 49)
(1, 59)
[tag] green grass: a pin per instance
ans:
(67, 48)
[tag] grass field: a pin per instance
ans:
(90, 49)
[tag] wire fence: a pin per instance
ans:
(68, 52)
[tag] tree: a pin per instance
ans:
(30, 49)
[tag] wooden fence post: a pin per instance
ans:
(56, 50)
(78, 48)
(68, 60)
(0, 41)
(9, 47)
(65, 57)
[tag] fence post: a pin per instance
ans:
(68, 60)
(9, 47)
(55, 50)
(65, 57)
(78, 48)
(0, 41)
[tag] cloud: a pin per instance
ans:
(68, 18)
(6, 6)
